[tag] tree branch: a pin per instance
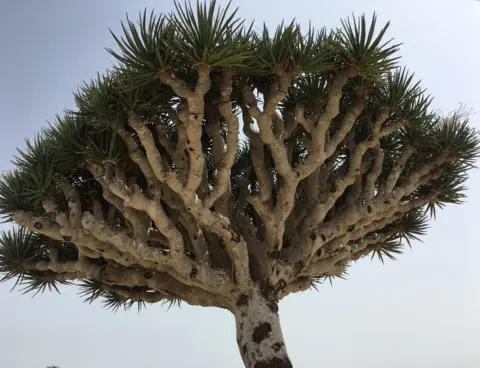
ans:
(227, 161)
(318, 156)
(130, 277)
(73, 200)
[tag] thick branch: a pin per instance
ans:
(130, 277)
(325, 265)
(137, 155)
(318, 156)
(73, 200)
(227, 161)
(298, 285)
(397, 169)
(193, 120)
(153, 155)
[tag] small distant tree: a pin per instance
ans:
(147, 191)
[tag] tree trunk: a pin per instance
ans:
(259, 335)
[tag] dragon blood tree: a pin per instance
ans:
(227, 167)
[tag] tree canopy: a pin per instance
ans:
(217, 157)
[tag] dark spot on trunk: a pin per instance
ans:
(242, 300)
(38, 225)
(212, 208)
(67, 238)
(193, 273)
(191, 149)
(244, 314)
(351, 228)
(234, 234)
(313, 236)
(275, 254)
(298, 266)
(369, 209)
(370, 138)
(318, 252)
(277, 346)
(266, 289)
(276, 245)
(148, 275)
(275, 363)
(244, 349)
(323, 237)
(188, 141)
(386, 202)
(195, 237)
(280, 284)
(261, 332)
(273, 307)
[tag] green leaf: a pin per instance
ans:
(310, 53)
(389, 249)
(450, 188)
(32, 181)
(453, 134)
(105, 146)
(106, 101)
(209, 35)
(398, 89)
(40, 281)
(64, 141)
(144, 47)
(17, 246)
(273, 52)
(355, 45)
(113, 301)
(90, 290)
(14, 193)
(308, 89)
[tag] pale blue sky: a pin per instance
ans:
(422, 311)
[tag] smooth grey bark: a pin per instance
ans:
(259, 334)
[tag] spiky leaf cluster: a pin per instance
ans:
(21, 246)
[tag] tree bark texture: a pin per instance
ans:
(259, 334)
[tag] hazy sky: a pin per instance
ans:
(422, 311)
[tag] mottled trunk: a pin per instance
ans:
(259, 335)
